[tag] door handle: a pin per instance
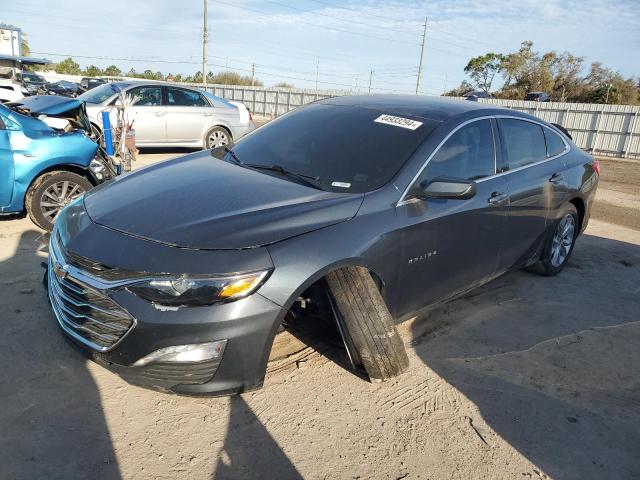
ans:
(497, 198)
(159, 114)
(556, 178)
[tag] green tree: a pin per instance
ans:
(483, 70)
(284, 85)
(68, 66)
(112, 71)
(92, 71)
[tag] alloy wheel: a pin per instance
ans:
(57, 196)
(563, 240)
(218, 138)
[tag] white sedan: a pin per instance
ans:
(169, 115)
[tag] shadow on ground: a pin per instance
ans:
(552, 364)
(51, 421)
(249, 450)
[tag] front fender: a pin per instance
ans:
(47, 151)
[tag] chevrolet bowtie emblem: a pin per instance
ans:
(60, 270)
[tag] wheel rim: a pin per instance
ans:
(56, 196)
(218, 138)
(562, 240)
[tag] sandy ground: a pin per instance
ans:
(527, 377)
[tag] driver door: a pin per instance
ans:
(451, 244)
(148, 114)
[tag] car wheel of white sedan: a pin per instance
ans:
(217, 137)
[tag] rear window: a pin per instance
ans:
(342, 145)
(522, 142)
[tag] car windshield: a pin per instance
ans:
(32, 77)
(98, 94)
(346, 148)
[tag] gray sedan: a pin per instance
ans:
(169, 115)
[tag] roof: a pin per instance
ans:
(25, 60)
(434, 108)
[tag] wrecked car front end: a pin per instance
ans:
(219, 348)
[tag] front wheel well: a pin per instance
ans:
(64, 168)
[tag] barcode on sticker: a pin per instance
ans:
(398, 121)
(340, 184)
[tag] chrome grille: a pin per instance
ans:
(83, 310)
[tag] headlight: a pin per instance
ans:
(97, 167)
(190, 291)
(24, 91)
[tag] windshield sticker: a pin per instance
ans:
(340, 184)
(398, 121)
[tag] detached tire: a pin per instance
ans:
(558, 245)
(50, 192)
(368, 322)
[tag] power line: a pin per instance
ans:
(342, 7)
(317, 25)
(337, 18)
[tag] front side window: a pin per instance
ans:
(555, 145)
(468, 154)
(185, 98)
(522, 142)
(145, 96)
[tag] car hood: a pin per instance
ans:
(200, 202)
(54, 106)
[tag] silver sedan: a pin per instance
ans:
(170, 115)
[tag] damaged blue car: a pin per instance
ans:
(47, 158)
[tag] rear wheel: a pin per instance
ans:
(370, 330)
(49, 193)
(559, 243)
(217, 137)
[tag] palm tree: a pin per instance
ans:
(24, 45)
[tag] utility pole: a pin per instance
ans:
(424, 36)
(253, 73)
(205, 36)
(370, 78)
(317, 72)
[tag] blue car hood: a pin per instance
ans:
(201, 202)
(49, 104)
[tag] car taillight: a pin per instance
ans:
(596, 166)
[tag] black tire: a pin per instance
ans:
(368, 321)
(547, 265)
(222, 132)
(36, 198)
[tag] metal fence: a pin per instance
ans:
(610, 130)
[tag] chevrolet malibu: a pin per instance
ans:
(369, 209)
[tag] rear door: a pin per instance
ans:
(535, 183)
(6, 164)
(188, 111)
(148, 114)
(449, 245)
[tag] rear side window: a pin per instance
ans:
(522, 142)
(555, 145)
(185, 98)
(468, 154)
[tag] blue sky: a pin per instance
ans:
(289, 39)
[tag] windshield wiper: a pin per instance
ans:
(309, 180)
(234, 155)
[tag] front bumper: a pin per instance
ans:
(248, 325)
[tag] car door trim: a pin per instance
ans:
(403, 200)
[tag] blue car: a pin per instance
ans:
(46, 157)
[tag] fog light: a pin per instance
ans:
(197, 352)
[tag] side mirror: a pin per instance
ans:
(445, 187)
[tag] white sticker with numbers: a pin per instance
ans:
(398, 121)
